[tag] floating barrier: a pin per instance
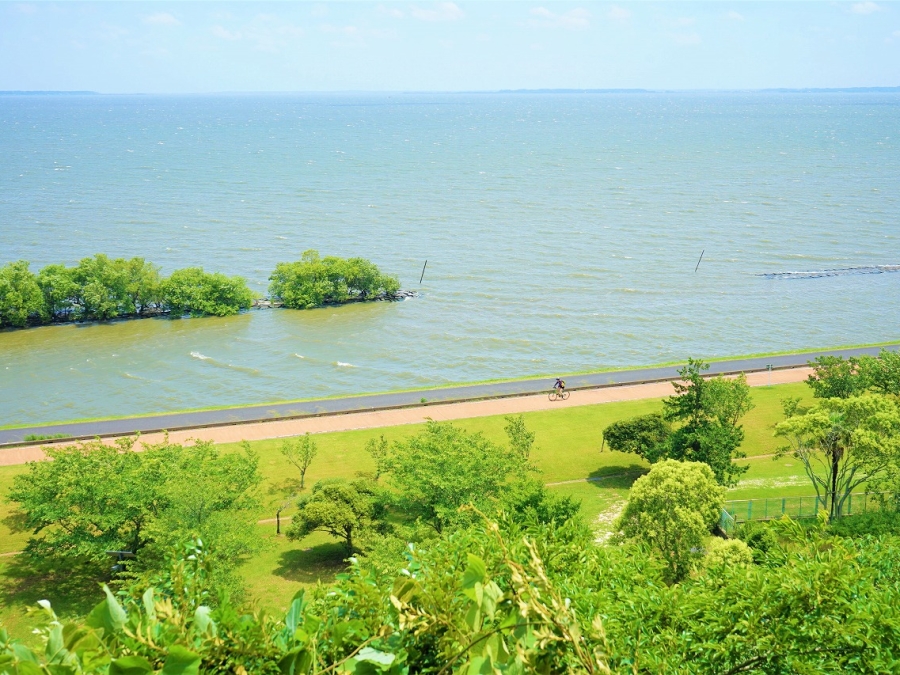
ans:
(867, 269)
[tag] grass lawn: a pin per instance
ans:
(568, 451)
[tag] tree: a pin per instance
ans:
(444, 467)
(835, 377)
(198, 293)
(645, 436)
(300, 452)
(100, 288)
(672, 510)
(21, 300)
(843, 443)
(881, 373)
(338, 507)
(314, 281)
(142, 285)
(521, 441)
(379, 450)
(94, 497)
(59, 291)
(709, 411)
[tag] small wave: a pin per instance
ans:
(202, 357)
(299, 356)
(341, 364)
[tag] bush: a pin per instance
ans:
(672, 510)
(195, 292)
(759, 537)
(21, 300)
(313, 281)
(872, 524)
(727, 553)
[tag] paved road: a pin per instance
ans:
(189, 420)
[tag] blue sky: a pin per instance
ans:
(182, 47)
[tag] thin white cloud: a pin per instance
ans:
(441, 11)
(24, 8)
(617, 13)
(734, 16)
(574, 19)
(161, 19)
(686, 39)
(392, 12)
(224, 33)
(897, 33)
(864, 8)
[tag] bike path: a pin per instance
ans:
(368, 403)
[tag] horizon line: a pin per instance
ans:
(542, 90)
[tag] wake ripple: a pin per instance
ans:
(846, 271)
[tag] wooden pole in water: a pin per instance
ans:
(701, 258)
(423, 271)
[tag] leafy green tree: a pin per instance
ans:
(881, 373)
(521, 440)
(100, 288)
(709, 411)
(94, 497)
(300, 452)
(835, 377)
(379, 450)
(443, 468)
(645, 436)
(59, 289)
(843, 443)
(142, 285)
(21, 300)
(672, 510)
(193, 291)
(314, 281)
(336, 506)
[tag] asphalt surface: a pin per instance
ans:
(262, 413)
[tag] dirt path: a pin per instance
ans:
(441, 412)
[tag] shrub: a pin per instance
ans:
(313, 281)
(759, 537)
(727, 553)
(193, 291)
(672, 510)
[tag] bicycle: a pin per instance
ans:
(557, 395)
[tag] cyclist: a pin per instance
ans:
(560, 386)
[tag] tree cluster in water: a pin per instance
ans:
(103, 288)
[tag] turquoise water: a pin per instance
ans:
(561, 233)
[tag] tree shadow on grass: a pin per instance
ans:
(72, 589)
(619, 477)
(310, 565)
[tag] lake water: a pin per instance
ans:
(561, 232)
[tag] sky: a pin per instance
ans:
(210, 46)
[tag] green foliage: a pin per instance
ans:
(760, 537)
(881, 373)
(645, 436)
(503, 598)
(706, 413)
(379, 450)
(195, 292)
(300, 452)
(338, 507)
(843, 443)
(21, 300)
(672, 510)
(44, 437)
(444, 468)
(94, 498)
(835, 377)
(727, 553)
(521, 441)
(313, 281)
(871, 524)
(102, 288)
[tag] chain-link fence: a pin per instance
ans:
(741, 510)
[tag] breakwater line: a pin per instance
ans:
(845, 271)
